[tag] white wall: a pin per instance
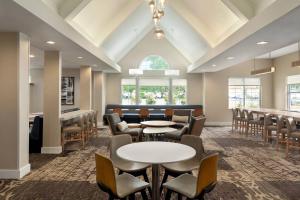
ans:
(36, 90)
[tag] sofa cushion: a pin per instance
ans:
(181, 119)
(122, 126)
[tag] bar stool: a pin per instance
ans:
(245, 121)
(234, 119)
(293, 135)
(282, 131)
(269, 126)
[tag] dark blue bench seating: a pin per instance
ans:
(157, 112)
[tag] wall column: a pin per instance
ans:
(99, 93)
(52, 103)
(85, 88)
(14, 122)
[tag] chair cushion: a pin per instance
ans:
(176, 135)
(128, 184)
(131, 131)
(182, 119)
(184, 184)
(122, 126)
(72, 129)
(296, 134)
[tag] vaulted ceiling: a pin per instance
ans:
(201, 30)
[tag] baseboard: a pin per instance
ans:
(15, 173)
(51, 150)
(217, 123)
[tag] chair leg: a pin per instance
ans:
(132, 196)
(164, 180)
(168, 195)
(144, 195)
(287, 148)
(147, 180)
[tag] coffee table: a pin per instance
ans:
(158, 123)
(156, 153)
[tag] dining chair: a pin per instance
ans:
(270, 125)
(255, 125)
(120, 186)
(133, 168)
(95, 121)
(73, 133)
(197, 112)
(144, 114)
(234, 120)
(195, 187)
(169, 113)
(282, 131)
(179, 168)
(293, 135)
(239, 120)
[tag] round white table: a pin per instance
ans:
(156, 153)
(154, 131)
(158, 123)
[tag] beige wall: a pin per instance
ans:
(216, 90)
(14, 87)
(283, 70)
(36, 90)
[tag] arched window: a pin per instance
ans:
(154, 62)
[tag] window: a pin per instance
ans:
(154, 91)
(244, 92)
(154, 62)
(179, 91)
(128, 91)
(293, 88)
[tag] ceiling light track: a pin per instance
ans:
(157, 8)
(267, 70)
(297, 62)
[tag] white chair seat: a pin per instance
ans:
(128, 184)
(184, 184)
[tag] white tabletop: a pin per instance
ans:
(158, 130)
(158, 123)
(156, 152)
(275, 112)
(74, 114)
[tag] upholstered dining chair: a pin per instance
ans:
(253, 124)
(195, 187)
(282, 131)
(179, 168)
(269, 126)
(95, 121)
(114, 119)
(133, 168)
(120, 186)
(293, 135)
(234, 120)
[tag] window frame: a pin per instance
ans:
(141, 66)
(289, 97)
(244, 86)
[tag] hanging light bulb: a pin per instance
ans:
(160, 13)
(162, 2)
(156, 18)
(151, 5)
(159, 33)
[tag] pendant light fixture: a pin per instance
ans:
(157, 9)
(267, 70)
(297, 62)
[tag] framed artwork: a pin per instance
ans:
(67, 90)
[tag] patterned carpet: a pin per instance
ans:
(248, 169)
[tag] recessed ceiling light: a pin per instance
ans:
(50, 42)
(31, 55)
(214, 65)
(79, 57)
(230, 58)
(262, 43)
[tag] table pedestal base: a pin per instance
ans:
(155, 182)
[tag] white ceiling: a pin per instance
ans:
(205, 32)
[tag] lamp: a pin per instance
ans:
(297, 62)
(159, 33)
(264, 70)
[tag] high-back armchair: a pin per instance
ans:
(196, 126)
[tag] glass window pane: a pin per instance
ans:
(154, 62)
(128, 91)
(236, 96)
(235, 81)
(154, 91)
(294, 97)
(179, 91)
(295, 79)
(252, 96)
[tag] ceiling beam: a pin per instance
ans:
(243, 9)
(70, 8)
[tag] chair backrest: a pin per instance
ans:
(105, 174)
(116, 142)
(194, 142)
(196, 126)
(37, 129)
(113, 119)
(118, 111)
(268, 119)
(250, 116)
(169, 112)
(197, 112)
(245, 114)
(238, 112)
(291, 125)
(234, 113)
(95, 116)
(207, 172)
(183, 112)
(280, 122)
(144, 113)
